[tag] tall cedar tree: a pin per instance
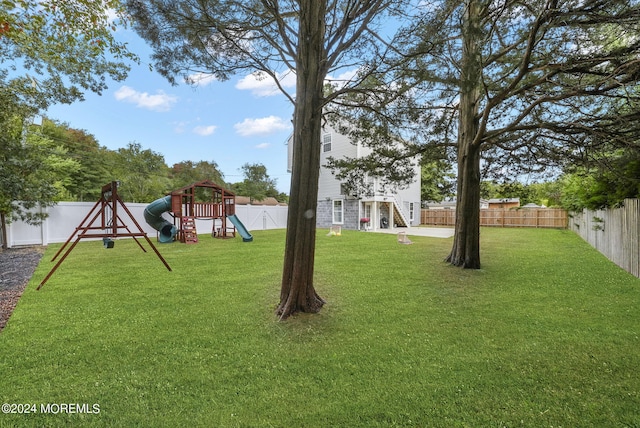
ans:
(311, 38)
(510, 87)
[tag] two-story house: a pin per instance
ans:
(379, 208)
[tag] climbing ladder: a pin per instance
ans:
(189, 234)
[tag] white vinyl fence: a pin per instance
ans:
(614, 232)
(66, 216)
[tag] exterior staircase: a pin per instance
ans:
(189, 234)
(399, 218)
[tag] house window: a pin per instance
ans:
(411, 211)
(326, 143)
(338, 214)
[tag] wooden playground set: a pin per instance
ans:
(202, 200)
(209, 201)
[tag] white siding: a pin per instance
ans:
(411, 195)
(328, 185)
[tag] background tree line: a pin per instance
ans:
(143, 174)
(576, 187)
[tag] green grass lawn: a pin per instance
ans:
(546, 334)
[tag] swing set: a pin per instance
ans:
(104, 221)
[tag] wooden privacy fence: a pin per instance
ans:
(525, 217)
(615, 232)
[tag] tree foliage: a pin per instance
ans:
(33, 173)
(142, 173)
(188, 172)
(603, 185)
(53, 51)
(33, 169)
(85, 183)
(257, 184)
(604, 174)
(437, 180)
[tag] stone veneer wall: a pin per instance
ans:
(351, 219)
(324, 214)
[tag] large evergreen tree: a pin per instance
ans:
(311, 38)
(510, 86)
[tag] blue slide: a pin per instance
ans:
(153, 217)
(246, 236)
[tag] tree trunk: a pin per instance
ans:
(466, 243)
(3, 231)
(297, 293)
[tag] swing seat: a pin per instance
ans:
(108, 242)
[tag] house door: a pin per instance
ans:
(366, 214)
(367, 210)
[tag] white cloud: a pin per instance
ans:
(158, 102)
(204, 130)
(200, 79)
(262, 85)
(261, 126)
(263, 146)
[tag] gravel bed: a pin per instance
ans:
(16, 267)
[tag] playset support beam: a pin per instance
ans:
(110, 225)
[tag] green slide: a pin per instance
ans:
(246, 236)
(153, 217)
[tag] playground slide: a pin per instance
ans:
(246, 236)
(153, 217)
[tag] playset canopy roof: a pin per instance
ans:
(202, 184)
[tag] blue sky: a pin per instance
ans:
(242, 120)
